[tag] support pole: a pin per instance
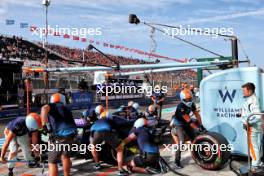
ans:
(199, 76)
(28, 100)
(234, 51)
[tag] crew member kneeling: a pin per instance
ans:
(102, 130)
(147, 161)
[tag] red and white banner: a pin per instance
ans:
(35, 29)
(113, 46)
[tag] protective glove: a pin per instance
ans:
(202, 129)
(245, 127)
(46, 129)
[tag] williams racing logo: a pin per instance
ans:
(225, 110)
(227, 95)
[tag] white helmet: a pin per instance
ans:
(121, 108)
(136, 106)
(33, 122)
(130, 103)
(140, 123)
(99, 109)
(185, 95)
(105, 115)
(196, 90)
(151, 108)
(58, 98)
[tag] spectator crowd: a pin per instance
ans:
(92, 58)
(33, 54)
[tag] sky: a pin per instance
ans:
(244, 17)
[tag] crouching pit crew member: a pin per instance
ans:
(93, 114)
(103, 131)
(17, 135)
(147, 161)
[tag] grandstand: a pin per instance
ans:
(92, 58)
(16, 48)
(20, 49)
(30, 53)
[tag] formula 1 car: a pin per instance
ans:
(107, 154)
